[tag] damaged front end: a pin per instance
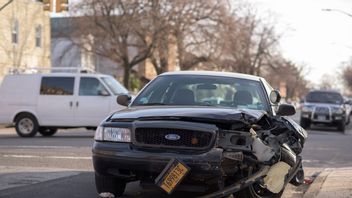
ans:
(260, 156)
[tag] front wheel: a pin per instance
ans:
(26, 125)
(106, 184)
(341, 126)
(348, 119)
(256, 190)
(47, 131)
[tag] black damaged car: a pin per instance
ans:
(216, 132)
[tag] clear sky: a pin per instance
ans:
(319, 39)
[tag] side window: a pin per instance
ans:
(57, 86)
(91, 87)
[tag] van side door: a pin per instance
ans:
(92, 103)
(55, 105)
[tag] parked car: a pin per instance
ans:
(217, 132)
(46, 102)
(348, 105)
(324, 107)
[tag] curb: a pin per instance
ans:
(315, 187)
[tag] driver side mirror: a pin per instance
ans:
(123, 100)
(275, 97)
(286, 110)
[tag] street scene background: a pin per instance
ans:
(135, 40)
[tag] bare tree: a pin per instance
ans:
(249, 43)
(118, 30)
(347, 75)
(187, 29)
(288, 73)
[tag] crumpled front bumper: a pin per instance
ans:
(114, 158)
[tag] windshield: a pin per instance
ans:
(114, 86)
(194, 90)
(324, 97)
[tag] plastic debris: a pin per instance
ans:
(275, 179)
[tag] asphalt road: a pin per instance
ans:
(60, 166)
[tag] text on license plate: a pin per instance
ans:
(175, 172)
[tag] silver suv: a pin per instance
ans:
(324, 107)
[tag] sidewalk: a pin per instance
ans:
(332, 182)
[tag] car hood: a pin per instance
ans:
(212, 114)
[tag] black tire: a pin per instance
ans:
(109, 184)
(26, 125)
(47, 131)
(256, 191)
(298, 179)
(348, 119)
(341, 126)
(304, 123)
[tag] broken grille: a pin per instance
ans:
(185, 138)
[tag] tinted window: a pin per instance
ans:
(57, 86)
(324, 97)
(204, 91)
(91, 87)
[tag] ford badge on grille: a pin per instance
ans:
(173, 137)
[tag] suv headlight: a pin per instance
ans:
(307, 109)
(337, 110)
(112, 134)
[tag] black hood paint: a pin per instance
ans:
(212, 114)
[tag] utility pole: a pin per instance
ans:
(6, 4)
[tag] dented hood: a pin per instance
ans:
(212, 114)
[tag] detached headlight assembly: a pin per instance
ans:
(337, 110)
(112, 134)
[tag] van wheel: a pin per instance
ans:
(47, 131)
(26, 125)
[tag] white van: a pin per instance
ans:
(46, 102)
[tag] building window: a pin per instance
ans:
(38, 36)
(15, 32)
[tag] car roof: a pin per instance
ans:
(214, 73)
(61, 74)
(324, 91)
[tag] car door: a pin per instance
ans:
(55, 101)
(92, 103)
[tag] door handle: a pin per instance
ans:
(77, 103)
(71, 103)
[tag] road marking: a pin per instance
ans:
(48, 157)
(310, 161)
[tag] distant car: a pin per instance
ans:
(46, 102)
(324, 107)
(348, 105)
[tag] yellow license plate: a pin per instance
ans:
(172, 175)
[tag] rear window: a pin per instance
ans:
(324, 97)
(57, 86)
